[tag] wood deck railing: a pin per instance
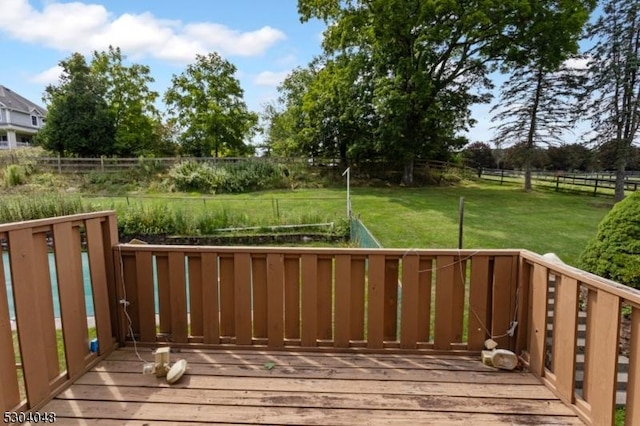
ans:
(301, 297)
(408, 301)
(554, 360)
(31, 368)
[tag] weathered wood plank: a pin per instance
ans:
(9, 391)
(633, 385)
(527, 389)
(227, 297)
(275, 299)
(43, 301)
(325, 298)
(210, 307)
(524, 295)
(284, 415)
(444, 333)
(357, 309)
(242, 297)
(376, 301)
(195, 295)
(71, 293)
(292, 297)
(178, 294)
(479, 303)
(391, 299)
(212, 398)
(309, 300)
(537, 341)
(109, 240)
(99, 283)
(604, 319)
(129, 293)
(146, 302)
(259, 279)
(311, 359)
(164, 293)
(503, 306)
(343, 301)
(410, 301)
(424, 294)
(565, 328)
(32, 344)
(320, 372)
(457, 308)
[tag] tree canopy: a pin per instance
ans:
(427, 63)
(614, 80)
(79, 121)
(206, 103)
(131, 102)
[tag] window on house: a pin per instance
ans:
(34, 120)
(3, 138)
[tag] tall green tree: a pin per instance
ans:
(285, 119)
(614, 76)
(537, 100)
(338, 109)
(79, 121)
(130, 101)
(429, 61)
(206, 101)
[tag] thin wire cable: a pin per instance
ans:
(125, 304)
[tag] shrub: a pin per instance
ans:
(230, 178)
(615, 251)
(193, 176)
(15, 175)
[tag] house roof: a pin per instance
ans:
(12, 100)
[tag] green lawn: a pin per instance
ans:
(496, 216)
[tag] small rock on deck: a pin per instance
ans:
(310, 388)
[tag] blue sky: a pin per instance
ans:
(264, 39)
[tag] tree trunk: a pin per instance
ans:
(531, 136)
(621, 165)
(407, 172)
(527, 174)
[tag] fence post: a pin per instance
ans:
(557, 183)
(595, 188)
(59, 165)
(501, 176)
(102, 163)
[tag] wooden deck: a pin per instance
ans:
(255, 387)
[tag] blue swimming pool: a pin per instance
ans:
(54, 286)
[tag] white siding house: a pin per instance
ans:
(20, 119)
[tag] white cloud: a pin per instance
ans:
(270, 78)
(86, 27)
(49, 76)
(577, 63)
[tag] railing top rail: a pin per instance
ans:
(316, 250)
(37, 223)
(630, 294)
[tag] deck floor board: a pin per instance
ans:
(249, 387)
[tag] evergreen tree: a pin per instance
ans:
(614, 76)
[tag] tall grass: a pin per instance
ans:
(19, 208)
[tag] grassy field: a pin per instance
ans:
(496, 216)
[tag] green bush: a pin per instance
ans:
(615, 251)
(15, 175)
(147, 220)
(237, 177)
(193, 176)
